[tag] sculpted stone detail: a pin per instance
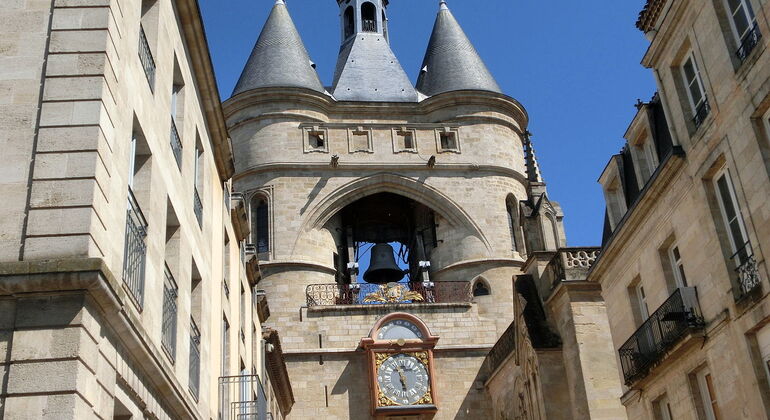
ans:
(581, 258)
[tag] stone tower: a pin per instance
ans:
(442, 171)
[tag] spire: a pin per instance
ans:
(367, 69)
(533, 168)
(279, 57)
(451, 62)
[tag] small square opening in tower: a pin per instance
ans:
(405, 140)
(448, 140)
(316, 140)
(361, 141)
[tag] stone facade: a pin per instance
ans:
(688, 221)
(97, 313)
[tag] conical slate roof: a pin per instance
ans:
(279, 58)
(451, 62)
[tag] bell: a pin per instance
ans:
(382, 266)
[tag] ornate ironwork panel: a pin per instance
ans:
(391, 293)
(135, 250)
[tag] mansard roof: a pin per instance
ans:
(451, 61)
(279, 58)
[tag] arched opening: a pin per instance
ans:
(481, 288)
(369, 17)
(384, 25)
(349, 22)
(260, 224)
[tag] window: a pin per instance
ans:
(242, 305)
(360, 140)
(349, 22)
(317, 140)
(369, 17)
(677, 266)
(707, 394)
(736, 230)
(513, 224)
(198, 179)
(448, 141)
(662, 409)
(225, 347)
(763, 344)
(260, 224)
(177, 113)
(696, 92)
(148, 38)
(481, 289)
(743, 24)
(168, 327)
(135, 247)
(645, 159)
(404, 140)
(616, 201)
(639, 301)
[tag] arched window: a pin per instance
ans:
(480, 288)
(369, 17)
(349, 22)
(260, 224)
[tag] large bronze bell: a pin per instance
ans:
(382, 266)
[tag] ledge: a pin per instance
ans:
(425, 307)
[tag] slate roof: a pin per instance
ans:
(451, 61)
(279, 58)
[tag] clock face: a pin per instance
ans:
(399, 328)
(403, 379)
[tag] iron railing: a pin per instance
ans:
(145, 56)
(675, 318)
(746, 269)
(198, 206)
(749, 42)
(369, 25)
(195, 359)
(505, 345)
(168, 327)
(135, 250)
(176, 143)
(366, 293)
(242, 398)
(701, 112)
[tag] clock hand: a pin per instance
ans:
(401, 376)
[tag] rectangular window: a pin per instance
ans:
(696, 92)
(731, 215)
(641, 296)
(662, 408)
(225, 347)
(448, 141)
(198, 180)
(677, 266)
(742, 18)
(707, 393)
(243, 313)
(170, 293)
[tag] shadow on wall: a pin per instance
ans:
(353, 381)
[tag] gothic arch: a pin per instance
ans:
(481, 287)
(334, 202)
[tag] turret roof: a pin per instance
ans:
(452, 62)
(279, 58)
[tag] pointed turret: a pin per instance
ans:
(452, 62)
(367, 69)
(279, 58)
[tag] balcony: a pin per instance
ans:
(747, 271)
(748, 43)
(240, 218)
(145, 57)
(675, 319)
(168, 326)
(198, 206)
(195, 359)
(135, 250)
(504, 347)
(701, 112)
(176, 144)
(392, 293)
(242, 398)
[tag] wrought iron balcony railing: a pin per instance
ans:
(676, 317)
(198, 206)
(168, 326)
(749, 42)
(242, 398)
(701, 112)
(135, 250)
(145, 56)
(195, 359)
(369, 25)
(502, 349)
(392, 293)
(747, 270)
(176, 144)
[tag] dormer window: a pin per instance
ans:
(645, 158)
(368, 17)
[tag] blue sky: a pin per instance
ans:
(574, 65)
